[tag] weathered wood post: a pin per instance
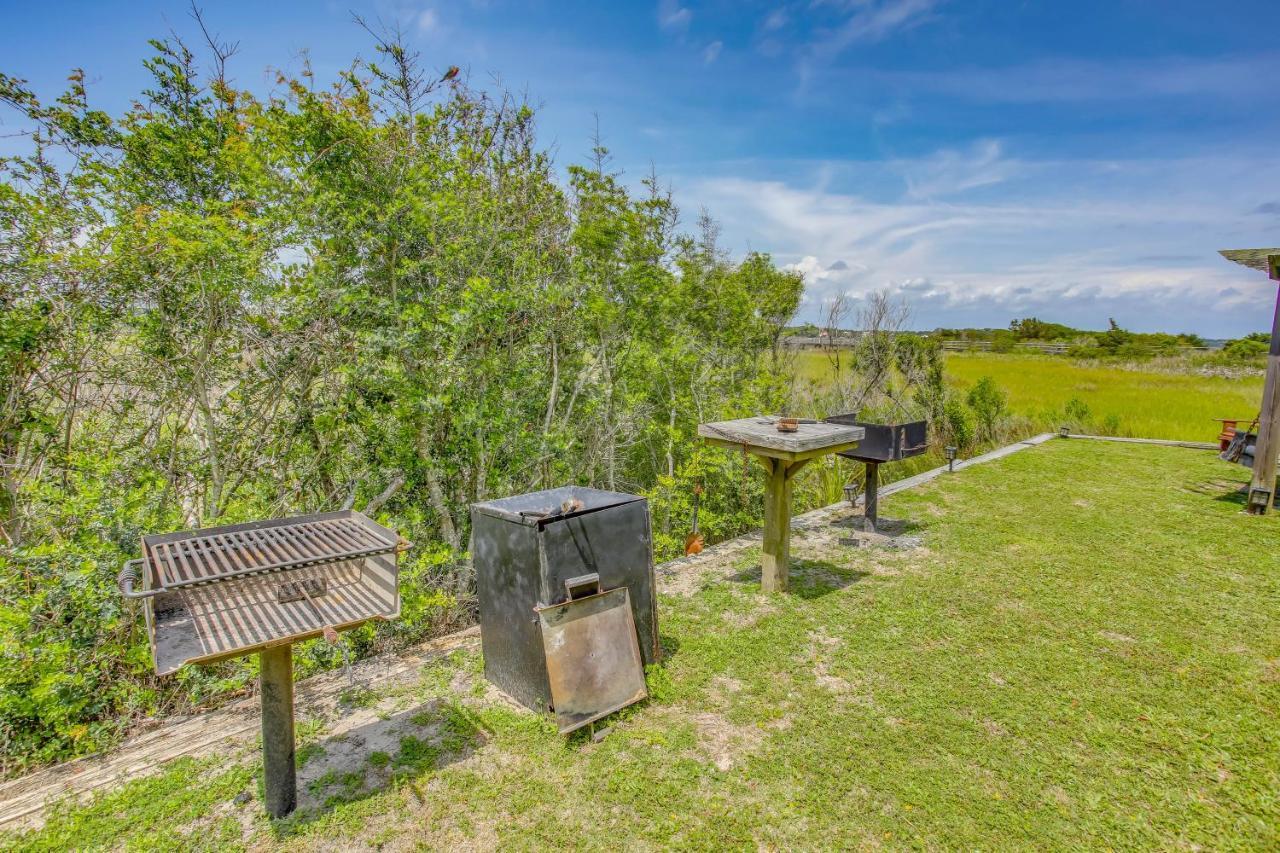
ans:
(775, 550)
(1264, 452)
(1263, 484)
(279, 774)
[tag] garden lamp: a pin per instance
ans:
(851, 494)
(950, 450)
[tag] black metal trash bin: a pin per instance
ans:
(524, 549)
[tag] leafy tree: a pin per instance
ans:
(374, 294)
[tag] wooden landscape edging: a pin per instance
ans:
(1164, 442)
(23, 800)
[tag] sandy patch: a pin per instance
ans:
(724, 743)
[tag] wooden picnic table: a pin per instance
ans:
(782, 454)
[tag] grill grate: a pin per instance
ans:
(234, 616)
(213, 593)
(208, 556)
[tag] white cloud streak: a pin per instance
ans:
(1069, 80)
(673, 16)
(874, 20)
(1073, 241)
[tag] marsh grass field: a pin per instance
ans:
(1169, 399)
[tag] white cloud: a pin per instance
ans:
(775, 20)
(1066, 80)
(950, 171)
(1073, 241)
(428, 21)
(712, 52)
(875, 20)
(673, 16)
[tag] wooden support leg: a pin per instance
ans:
(777, 527)
(776, 557)
(1268, 443)
(280, 784)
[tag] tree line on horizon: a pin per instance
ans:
(1084, 343)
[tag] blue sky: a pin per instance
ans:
(982, 159)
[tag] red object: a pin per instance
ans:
(1228, 431)
(450, 74)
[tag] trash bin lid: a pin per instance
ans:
(593, 659)
(540, 508)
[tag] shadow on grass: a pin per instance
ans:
(1239, 497)
(670, 646)
(808, 579)
(1225, 491)
(364, 761)
(890, 528)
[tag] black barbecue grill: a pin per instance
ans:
(227, 591)
(882, 443)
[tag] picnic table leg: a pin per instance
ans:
(775, 559)
(777, 527)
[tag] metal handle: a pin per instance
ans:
(129, 576)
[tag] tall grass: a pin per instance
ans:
(1155, 401)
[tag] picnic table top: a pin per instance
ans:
(759, 432)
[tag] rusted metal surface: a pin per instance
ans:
(206, 623)
(593, 658)
(225, 591)
(198, 557)
(260, 587)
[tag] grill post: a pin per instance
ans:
(279, 774)
(871, 508)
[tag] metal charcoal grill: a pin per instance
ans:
(222, 592)
(882, 443)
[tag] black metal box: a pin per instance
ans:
(525, 547)
(885, 442)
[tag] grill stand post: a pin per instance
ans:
(279, 773)
(871, 509)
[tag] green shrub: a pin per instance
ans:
(957, 423)
(988, 404)
(1250, 346)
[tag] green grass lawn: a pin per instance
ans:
(1085, 652)
(1143, 403)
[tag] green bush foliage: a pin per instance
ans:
(381, 294)
(1250, 346)
(989, 405)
